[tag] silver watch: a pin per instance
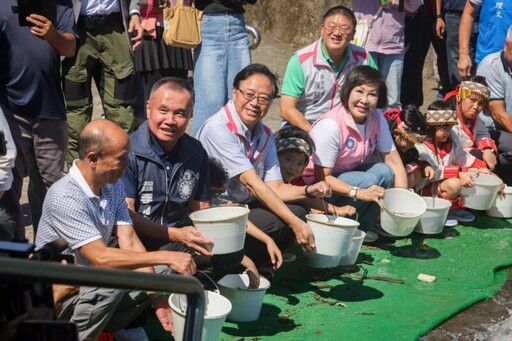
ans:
(353, 192)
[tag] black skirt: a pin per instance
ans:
(155, 55)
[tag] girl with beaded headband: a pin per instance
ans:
(447, 164)
(294, 148)
(468, 100)
(408, 128)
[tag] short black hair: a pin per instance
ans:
(439, 105)
(364, 75)
(413, 119)
(478, 79)
(218, 174)
(253, 69)
(341, 10)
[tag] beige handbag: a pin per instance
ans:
(182, 26)
(363, 28)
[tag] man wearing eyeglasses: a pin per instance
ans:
(237, 137)
(167, 178)
(315, 73)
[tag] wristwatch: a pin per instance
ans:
(353, 192)
(439, 16)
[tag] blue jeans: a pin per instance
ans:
(391, 67)
(364, 176)
(223, 52)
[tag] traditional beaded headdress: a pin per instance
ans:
(441, 117)
(468, 89)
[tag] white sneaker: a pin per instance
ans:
(133, 334)
(451, 222)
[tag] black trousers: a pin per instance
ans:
(418, 37)
(214, 267)
(271, 224)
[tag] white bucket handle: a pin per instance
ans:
(385, 208)
(388, 211)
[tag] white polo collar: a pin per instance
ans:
(75, 174)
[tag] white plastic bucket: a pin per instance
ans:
(403, 209)
(432, 221)
(246, 302)
(482, 195)
(502, 207)
(225, 225)
(332, 238)
(353, 251)
(217, 307)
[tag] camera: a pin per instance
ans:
(34, 299)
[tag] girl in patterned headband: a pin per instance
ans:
(294, 148)
(446, 164)
(408, 127)
(468, 100)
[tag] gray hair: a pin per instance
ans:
(509, 35)
(93, 140)
(173, 83)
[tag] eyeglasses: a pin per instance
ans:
(332, 27)
(250, 95)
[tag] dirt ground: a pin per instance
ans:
(467, 325)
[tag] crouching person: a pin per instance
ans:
(168, 177)
(87, 208)
(237, 137)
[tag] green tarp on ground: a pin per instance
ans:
(469, 263)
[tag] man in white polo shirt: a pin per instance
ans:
(237, 137)
(87, 208)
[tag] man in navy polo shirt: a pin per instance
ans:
(31, 96)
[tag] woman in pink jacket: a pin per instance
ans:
(346, 139)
